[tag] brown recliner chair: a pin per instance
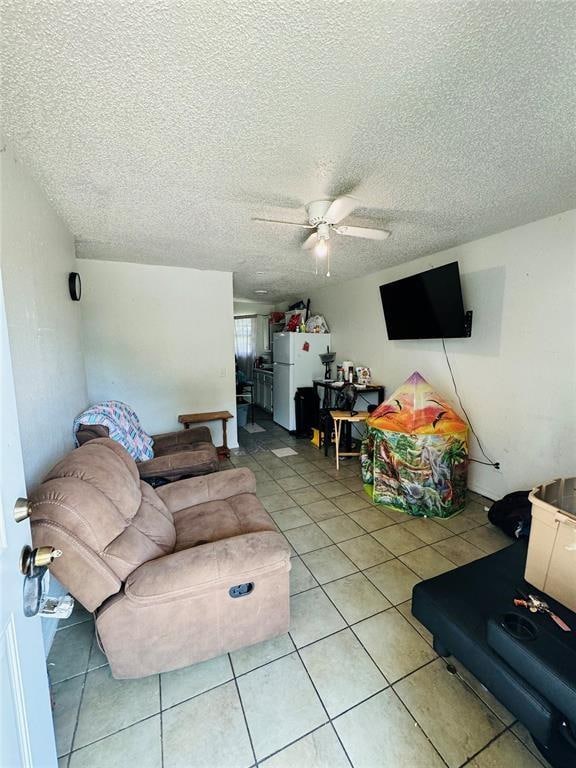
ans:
(175, 575)
(186, 453)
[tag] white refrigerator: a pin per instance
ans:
(296, 364)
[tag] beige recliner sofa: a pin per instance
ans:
(186, 453)
(175, 575)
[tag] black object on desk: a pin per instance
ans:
(333, 386)
(331, 390)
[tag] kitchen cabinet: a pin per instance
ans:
(263, 389)
(268, 392)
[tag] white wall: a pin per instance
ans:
(251, 308)
(516, 374)
(36, 254)
(161, 339)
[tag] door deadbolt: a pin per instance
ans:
(33, 559)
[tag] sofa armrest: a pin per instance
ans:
(182, 437)
(88, 432)
(228, 561)
(199, 490)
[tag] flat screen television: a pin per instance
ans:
(426, 306)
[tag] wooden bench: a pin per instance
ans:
(188, 419)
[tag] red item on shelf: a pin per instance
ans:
(294, 322)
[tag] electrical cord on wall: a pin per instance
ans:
(489, 462)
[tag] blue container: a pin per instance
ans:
(242, 414)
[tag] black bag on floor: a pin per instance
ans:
(512, 514)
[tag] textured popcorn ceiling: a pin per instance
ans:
(158, 129)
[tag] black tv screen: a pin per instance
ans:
(425, 306)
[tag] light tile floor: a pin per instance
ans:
(355, 682)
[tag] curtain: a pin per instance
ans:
(245, 344)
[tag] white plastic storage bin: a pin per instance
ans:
(551, 562)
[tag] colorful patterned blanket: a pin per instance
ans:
(123, 426)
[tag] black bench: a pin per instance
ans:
(523, 658)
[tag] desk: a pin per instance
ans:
(199, 418)
(331, 386)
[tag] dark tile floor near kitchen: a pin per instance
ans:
(354, 682)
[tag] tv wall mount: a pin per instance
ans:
(468, 324)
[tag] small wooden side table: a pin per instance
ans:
(199, 418)
(345, 416)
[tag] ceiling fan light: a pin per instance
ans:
(321, 248)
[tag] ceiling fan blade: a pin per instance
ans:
(340, 208)
(310, 241)
(288, 223)
(369, 234)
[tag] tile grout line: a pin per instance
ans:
(507, 729)
(351, 628)
(389, 686)
(470, 689)
(243, 710)
(73, 739)
(321, 700)
(537, 754)
(120, 730)
(400, 679)
(161, 721)
(294, 741)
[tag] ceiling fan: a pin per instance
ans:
(324, 217)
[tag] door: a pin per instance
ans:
(26, 733)
(283, 412)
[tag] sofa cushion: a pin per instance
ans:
(167, 440)
(194, 571)
(151, 533)
(220, 519)
(183, 460)
(199, 490)
(198, 447)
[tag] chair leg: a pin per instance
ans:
(326, 431)
(337, 425)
